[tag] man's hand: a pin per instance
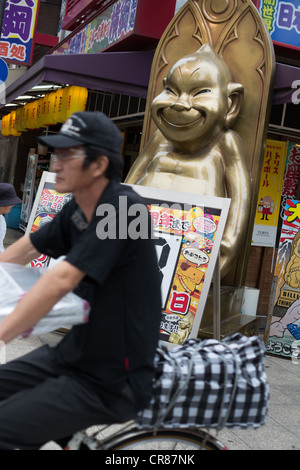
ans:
(47, 291)
(20, 252)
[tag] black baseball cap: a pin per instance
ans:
(8, 195)
(86, 128)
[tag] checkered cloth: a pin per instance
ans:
(209, 384)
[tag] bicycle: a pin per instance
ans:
(131, 437)
(200, 386)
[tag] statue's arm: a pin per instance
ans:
(238, 188)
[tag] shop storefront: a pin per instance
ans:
(115, 76)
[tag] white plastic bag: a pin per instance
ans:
(16, 280)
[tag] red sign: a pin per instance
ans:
(124, 24)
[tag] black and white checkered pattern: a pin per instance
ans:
(209, 384)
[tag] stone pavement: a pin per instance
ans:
(282, 429)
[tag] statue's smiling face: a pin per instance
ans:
(194, 102)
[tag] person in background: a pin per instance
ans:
(8, 199)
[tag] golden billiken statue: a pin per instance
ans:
(193, 149)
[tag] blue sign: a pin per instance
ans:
(3, 71)
(282, 19)
(18, 31)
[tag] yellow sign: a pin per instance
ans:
(269, 196)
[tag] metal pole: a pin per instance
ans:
(216, 300)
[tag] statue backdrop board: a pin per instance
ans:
(206, 112)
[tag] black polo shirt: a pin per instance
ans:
(122, 286)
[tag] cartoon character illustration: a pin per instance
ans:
(292, 272)
(194, 150)
(267, 207)
(291, 316)
(184, 329)
(189, 277)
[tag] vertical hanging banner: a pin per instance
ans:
(290, 181)
(269, 196)
(283, 333)
(188, 230)
(18, 31)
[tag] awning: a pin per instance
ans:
(113, 72)
(117, 72)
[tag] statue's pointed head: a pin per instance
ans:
(205, 54)
(199, 99)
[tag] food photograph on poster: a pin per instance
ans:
(284, 329)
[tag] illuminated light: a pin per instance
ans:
(76, 100)
(19, 120)
(13, 129)
(5, 126)
(58, 116)
(50, 107)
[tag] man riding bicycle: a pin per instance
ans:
(102, 371)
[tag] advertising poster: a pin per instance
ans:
(290, 181)
(47, 204)
(282, 20)
(112, 25)
(269, 196)
(284, 329)
(188, 230)
(43, 164)
(18, 30)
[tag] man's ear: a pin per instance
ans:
(235, 94)
(101, 165)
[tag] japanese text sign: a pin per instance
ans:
(290, 181)
(18, 29)
(282, 19)
(269, 196)
(188, 230)
(112, 25)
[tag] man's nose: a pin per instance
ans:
(55, 164)
(182, 103)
